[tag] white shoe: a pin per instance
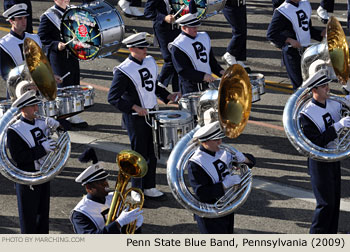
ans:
(153, 192)
(136, 12)
(322, 14)
(77, 121)
(229, 59)
(135, 196)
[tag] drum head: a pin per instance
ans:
(176, 5)
(79, 24)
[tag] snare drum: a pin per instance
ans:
(260, 80)
(173, 125)
(205, 8)
(98, 30)
(4, 106)
(48, 108)
(86, 91)
(189, 102)
(69, 104)
(255, 92)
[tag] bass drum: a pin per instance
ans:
(205, 8)
(97, 29)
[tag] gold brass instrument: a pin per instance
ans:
(233, 106)
(332, 57)
(131, 165)
(41, 72)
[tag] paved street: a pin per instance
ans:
(281, 200)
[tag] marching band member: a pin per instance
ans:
(235, 12)
(90, 214)
(209, 175)
(291, 31)
(192, 56)
(165, 32)
(134, 89)
(11, 54)
(9, 3)
(320, 121)
(29, 144)
(61, 60)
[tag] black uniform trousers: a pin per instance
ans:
(325, 180)
(327, 5)
(165, 34)
(221, 225)
(141, 139)
(33, 208)
(237, 18)
(292, 60)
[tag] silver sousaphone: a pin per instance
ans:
(40, 71)
(331, 56)
(233, 108)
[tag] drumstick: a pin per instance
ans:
(177, 13)
(69, 41)
(64, 76)
(155, 112)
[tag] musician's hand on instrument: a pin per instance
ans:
(139, 221)
(231, 180)
(49, 145)
(169, 19)
(139, 110)
(174, 96)
(61, 46)
(342, 123)
(128, 216)
(52, 123)
(58, 79)
(208, 78)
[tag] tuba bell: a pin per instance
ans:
(331, 56)
(232, 108)
(131, 165)
(40, 71)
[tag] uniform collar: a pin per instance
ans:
(98, 200)
(188, 35)
(211, 153)
(27, 121)
(17, 35)
(59, 8)
(292, 3)
(135, 60)
(319, 104)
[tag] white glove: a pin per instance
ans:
(52, 123)
(231, 180)
(49, 145)
(344, 122)
(240, 158)
(139, 221)
(128, 216)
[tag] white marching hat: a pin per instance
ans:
(94, 172)
(17, 10)
(24, 86)
(136, 40)
(211, 131)
(189, 20)
(29, 98)
(317, 79)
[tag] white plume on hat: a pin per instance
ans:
(211, 131)
(17, 10)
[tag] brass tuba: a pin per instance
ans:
(332, 55)
(40, 71)
(131, 165)
(233, 108)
